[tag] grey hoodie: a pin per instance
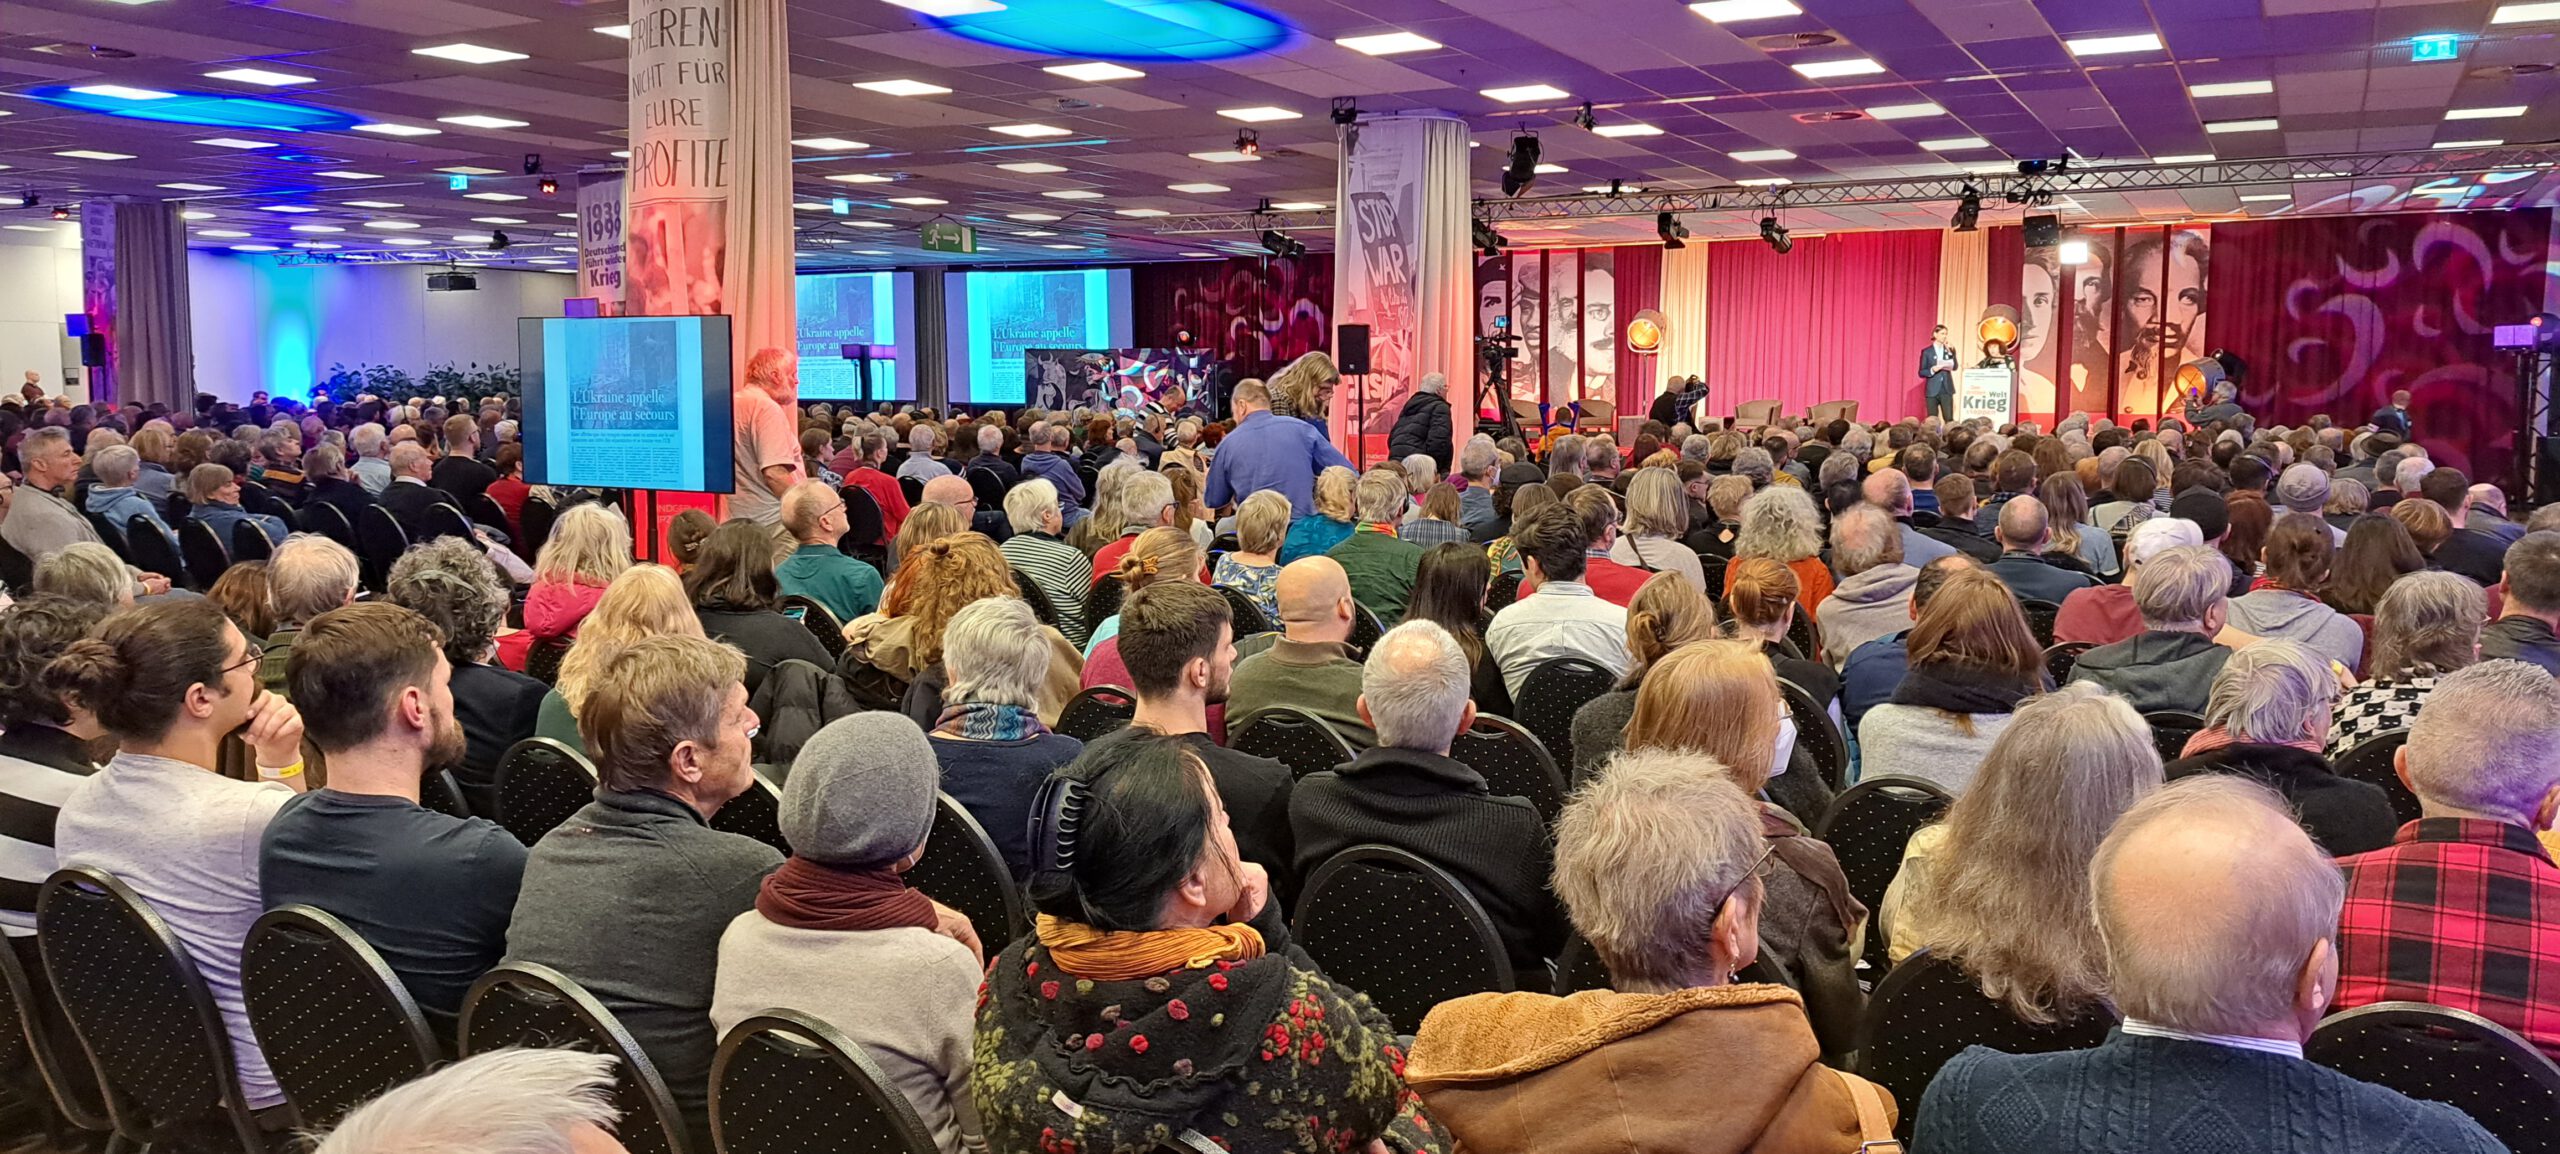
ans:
(2294, 617)
(1873, 604)
(2156, 670)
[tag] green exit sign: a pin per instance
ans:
(2435, 48)
(949, 236)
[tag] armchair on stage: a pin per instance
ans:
(1829, 411)
(1755, 414)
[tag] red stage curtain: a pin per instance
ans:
(2333, 313)
(1639, 288)
(1257, 314)
(1843, 317)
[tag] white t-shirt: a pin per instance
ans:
(765, 438)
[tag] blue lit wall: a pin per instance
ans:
(260, 325)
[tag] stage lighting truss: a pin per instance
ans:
(1249, 141)
(1487, 241)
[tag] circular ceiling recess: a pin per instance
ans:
(1124, 30)
(200, 108)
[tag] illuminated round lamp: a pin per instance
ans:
(1099, 30)
(1644, 332)
(1999, 324)
(209, 109)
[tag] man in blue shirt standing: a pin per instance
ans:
(1265, 452)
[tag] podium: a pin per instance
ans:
(862, 357)
(1989, 393)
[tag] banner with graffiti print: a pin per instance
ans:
(680, 176)
(1378, 244)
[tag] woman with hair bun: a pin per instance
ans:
(1667, 613)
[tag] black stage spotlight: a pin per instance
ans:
(28, 200)
(1248, 142)
(498, 242)
(1673, 233)
(1776, 235)
(1584, 120)
(1521, 170)
(1279, 244)
(1346, 110)
(532, 163)
(1487, 241)
(1968, 211)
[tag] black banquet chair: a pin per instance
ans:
(786, 1083)
(1097, 712)
(444, 519)
(205, 554)
(17, 572)
(2060, 659)
(440, 791)
(1817, 734)
(913, 488)
(757, 813)
(335, 1023)
(1247, 613)
(485, 510)
(963, 869)
(864, 527)
(1504, 590)
(988, 488)
(819, 621)
(2370, 761)
(538, 1007)
(2439, 1054)
(2170, 729)
(536, 518)
(329, 521)
(112, 536)
(2040, 618)
(1553, 692)
(1512, 763)
(1400, 930)
(152, 552)
(1365, 630)
(144, 1015)
(1032, 594)
(379, 543)
(251, 543)
(39, 1059)
(1293, 737)
(541, 783)
(1867, 827)
(1928, 1010)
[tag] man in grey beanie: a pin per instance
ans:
(836, 933)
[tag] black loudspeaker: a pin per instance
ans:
(1351, 350)
(2042, 231)
(93, 349)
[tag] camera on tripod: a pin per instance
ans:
(1503, 345)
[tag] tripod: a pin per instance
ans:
(1496, 378)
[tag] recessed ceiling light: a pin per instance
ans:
(50, 228)
(1728, 11)
(2469, 144)
(1259, 114)
(253, 248)
(313, 244)
(2112, 45)
(1030, 216)
(472, 237)
(92, 154)
(468, 170)
(569, 235)
(1955, 144)
(480, 120)
(259, 76)
(236, 142)
(1826, 69)
(187, 186)
(546, 260)
(950, 8)
(918, 201)
(373, 204)
(2524, 13)
(1094, 72)
(1615, 131)
(796, 206)
(407, 241)
(1764, 182)
(218, 233)
(2257, 197)
(902, 88)
(1149, 212)
(399, 129)
(1762, 155)
(2499, 113)
(509, 219)
(317, 228)
(866, 224)
(1551, 169)
(861, 178)
(1033, 167)
(1388, 43)
(195, 214)
(1034, 233)
(1196, 188)
(1072, 194)
(1524, 93)
(1199, 255)
(1027, 130)
(2185, 158)
(492, 196)
(622, 154)
(1226, 156)
(296, 209)
(2231, 88)
(122, 92)
(391, 225)
(617, 31)
(1299, 206)
(875, 252)
(351, 174)
(2265, 124)
(1070, 247)
(1906, 111)
(830, 143)
(469, 54)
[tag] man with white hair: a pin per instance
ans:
(863, 465)
(1478, 463)
(990, 442)
(1035, 550)
(1875, 584)
(817, 568)
(2105, 614)
(309, 575)
(1423, 426)
(766, 445)
(372, 445)
(1044, 457)
(2268, 720)
(1148, 497)
(2461, 909)
(2181, 594)
(410, 496)
(114, 497)
(510, 1101)
(1407, 792)
(2489, 514)
(2219, 921)
(1382, 566)
(920, 464)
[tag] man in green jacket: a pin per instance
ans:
(1382, 568)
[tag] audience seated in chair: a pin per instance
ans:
(817, 569)
(992, 747)
(1556, 615)
(2106, 614)
(2024, 531)
(1972, 661)
(1161, 993)
(409, 496)
(1762, 605)
(1310, 665)
(2268, 719)
(1316, 532)
(1408, 793)
(838, 934)
(1676, 1055)
(1163, 553)
(430, 892)
(1146, 502)
(1607, 579)
(1037, 550)
(449, 581)
(48, 748)
(1894, 492)
(2524, 628)
(1379, 565)
(1876, 669)
(735, 592)
(590, 545)
(1873, 597)
(309, 575)
(1668, 613)
(86, 572)
(169, 682)
(2172, 663)
(2218, 918)
(2458, 910)
(1656, 522)
(643, 601)
(555, 1101)
(115, 498)
(2285, 603)
(1784, 525)
(2427, 626)
(213, 497)
(904, 639)
(1956, 527)
(629, 897)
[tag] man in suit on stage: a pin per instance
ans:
(1938, 368)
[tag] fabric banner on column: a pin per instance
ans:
(1964, 286)
(1402, 266)
(758, 280)
(600, 240)
(98, 289)
(681, 157)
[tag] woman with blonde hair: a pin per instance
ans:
(154, 445)
(1718, 701)
(928, 522)
(590, 545)
(1253, 566)
(1782, 524)
(1665, 614)
(1762, 598)
(2066, 507)
(1973, 660)
(1657, 519)
(1163, 553)
(1304, 389)
(904, 639)
(1332, 522)
(641, 602)
(1110, 508)
(2001, 887)
(1189, 515)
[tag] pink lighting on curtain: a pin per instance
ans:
(1843, 317)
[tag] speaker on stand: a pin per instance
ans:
(1351, 359)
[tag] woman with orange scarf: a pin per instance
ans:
(1159, 1000)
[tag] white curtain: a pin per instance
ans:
(757, 283)
(1684, 317)
(1964, 284)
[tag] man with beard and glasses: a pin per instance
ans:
(430, 892)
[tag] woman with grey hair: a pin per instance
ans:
(1062, 572)
(1657, 520)
(1783, 525)
(2427, 625)
(2268, 720)
(989, 739)
(500, 1102)
(86, 572)
(451, 583)
(2002, 885)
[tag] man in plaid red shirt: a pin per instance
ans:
(2463, 909)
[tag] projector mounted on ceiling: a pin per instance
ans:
(452, 282)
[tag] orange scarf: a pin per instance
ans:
(1127, 955)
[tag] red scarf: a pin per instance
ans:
(805, 895)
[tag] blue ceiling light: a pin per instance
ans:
(1124, 29)
(207, 109)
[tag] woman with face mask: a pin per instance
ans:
(1719, 700)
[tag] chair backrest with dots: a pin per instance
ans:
(1401, 930)
(335, 1023)
(786, 1083)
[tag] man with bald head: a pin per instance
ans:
(813, 513)
(2218, 917)
(1890, 490)
(2024, 532)
(1309, 665)
(954, 490)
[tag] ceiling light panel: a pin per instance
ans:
(1833, 69)
(260, 77)
(1259, 114)
(399, 130)
(1906, 111)
(2114, 45)
(2231, 88)
(1027, 131)
(469, 54)
(902, 88)
(1388, 43)
(1197, 188)
(1762, 155)
(1093, 72)
(1525, 93)
(1032, 167)
(1731, 11)
(480, 120)
(1621, 131)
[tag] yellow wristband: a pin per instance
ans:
(293, 770)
